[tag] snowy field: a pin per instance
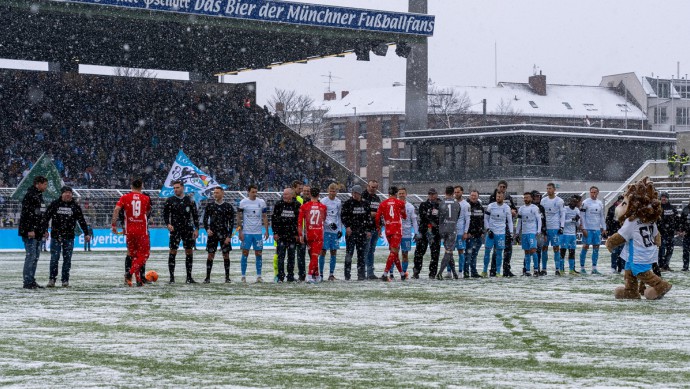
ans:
(521, 332)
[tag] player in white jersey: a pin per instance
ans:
(528, 227)
(554, 214)
(251, 216)
(333, 229)
(497, 220)
(410, 228)
(462, 229)
(569, 237)
(593, 226)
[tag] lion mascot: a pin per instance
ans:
(638, 213)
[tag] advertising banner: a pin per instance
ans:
(287, 12)
(104, 240)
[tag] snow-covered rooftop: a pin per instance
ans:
(568, 101)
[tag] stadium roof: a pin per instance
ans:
(564, 101)
(538, 130)
(177, 35)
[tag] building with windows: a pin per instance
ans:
(666, 102)
(524, 132)
(363, 124)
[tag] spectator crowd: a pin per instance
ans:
(100, 131)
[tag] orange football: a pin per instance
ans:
(151, 276)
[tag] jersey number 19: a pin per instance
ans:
(136, 208)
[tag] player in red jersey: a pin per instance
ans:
(137, 207)
(313, 214)
(392, 210)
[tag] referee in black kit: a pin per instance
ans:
(182, 219)
(219, 223)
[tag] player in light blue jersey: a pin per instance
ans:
(569, 237)
(333, 229)
(462, 229)
(251, 216)
(593, 227)
(554, 215)
(410, 228)
(497, 220)
(528, 226)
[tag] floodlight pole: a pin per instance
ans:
(417, 78)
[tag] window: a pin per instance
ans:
(362, 129)
(683, 89)
(682, 116)
(590, 107)
(338, 131)
(663, 89)
(660, 115)
(386, 157)
(363, 158)
(401, 128)
(448, 157)
(495, 156)
(459, 153)
(486, 155)
(386, 129)
(533, 104)
(491, 156)
(567, 105)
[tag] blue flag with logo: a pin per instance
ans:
(194, 180)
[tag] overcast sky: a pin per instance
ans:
(570, 41)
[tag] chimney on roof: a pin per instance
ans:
(344, 93)
(329, 96)
(538, 84)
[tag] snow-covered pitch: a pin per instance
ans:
(521, 332)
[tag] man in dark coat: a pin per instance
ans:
(32, 229)
(667, 230)
(284, 223)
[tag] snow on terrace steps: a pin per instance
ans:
(519, 333)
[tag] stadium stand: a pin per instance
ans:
(100, 131)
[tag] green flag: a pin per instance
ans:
(43, 167)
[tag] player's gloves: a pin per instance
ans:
(340, 234)
(576, 218)
(333, 226)
(560, 231)
(491, 234)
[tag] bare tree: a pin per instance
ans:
(298, 112)
(283, 102)
(446, 104)
(318, 125)
(301, 115)
(134, 72)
